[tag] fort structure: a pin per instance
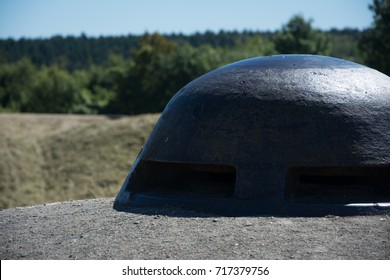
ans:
(281, 135)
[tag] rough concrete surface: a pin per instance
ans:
(91, 229)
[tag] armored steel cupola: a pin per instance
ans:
(281, 135)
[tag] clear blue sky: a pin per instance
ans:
(45, 18)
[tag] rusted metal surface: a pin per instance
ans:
(280, 135)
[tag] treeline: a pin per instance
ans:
(74, 53)
(139, 74)
(143, 82)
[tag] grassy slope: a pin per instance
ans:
(47, 158)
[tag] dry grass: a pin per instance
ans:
(47, 158)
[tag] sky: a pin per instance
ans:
(46, 18)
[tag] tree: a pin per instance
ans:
(158, 69)
(375, 42)
(16, 81)
(298, 36)
(345, 44)
(249, 47)
(137, 86)
(55, 91)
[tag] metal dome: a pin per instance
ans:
(282, 135)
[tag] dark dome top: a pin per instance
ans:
(286, 129)
(294, 62)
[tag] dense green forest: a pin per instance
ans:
(138, 74)
(74, 53)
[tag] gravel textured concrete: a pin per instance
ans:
(91, 229)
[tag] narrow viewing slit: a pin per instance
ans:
(338, 184)
(172, 178)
